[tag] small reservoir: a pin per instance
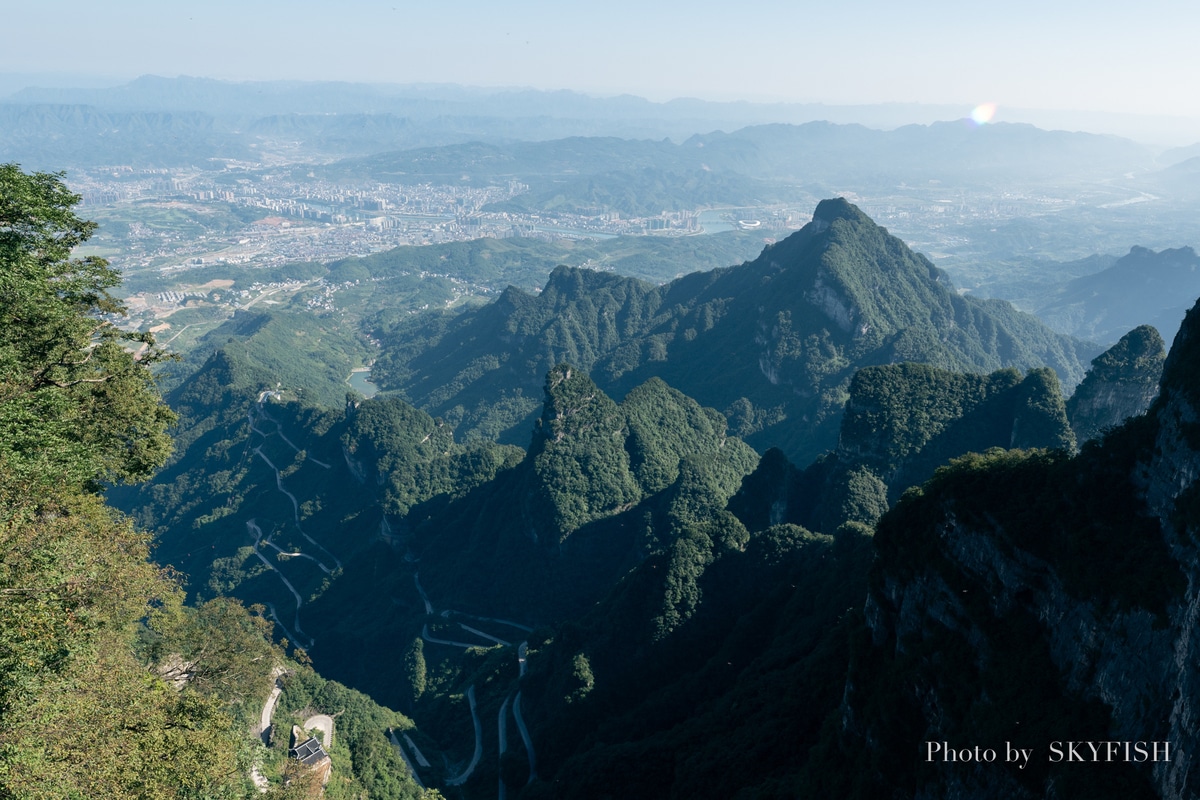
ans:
(360, 381)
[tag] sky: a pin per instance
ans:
(1055, 54)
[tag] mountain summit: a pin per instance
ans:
(772, 343)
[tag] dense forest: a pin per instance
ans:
(755, 532)
(110, 685)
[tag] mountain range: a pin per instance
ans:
(772, 343)
(670, 611)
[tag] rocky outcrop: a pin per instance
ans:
(1024, 601)
(1121, 383)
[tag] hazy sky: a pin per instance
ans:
(1097, 55)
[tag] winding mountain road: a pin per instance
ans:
(522, 651)
(264, 725)
(424, 762)
(478, 754)
(411, 771)
(425, 635)
(261, 540)
(502, 738)
(257, 533)
(525, 738)
(323, 723)
(295, 507)
(279, 432)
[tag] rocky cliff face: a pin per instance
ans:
(901, 423)
(1024, 601)
(1121, 383)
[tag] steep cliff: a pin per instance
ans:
(902, 422)
(1121, 383)
(1025, 600)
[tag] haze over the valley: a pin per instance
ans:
(1034, 60)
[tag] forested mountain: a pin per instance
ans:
(902, 422)
(772, 343)
(1063, 618)
(1142, 288)
(650, 604)
(328, 119)
(1122, 383)
(814, 153)
(109, 685)
(44, 135)
(640, 602)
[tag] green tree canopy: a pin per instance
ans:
(75, 404)
(82, 712)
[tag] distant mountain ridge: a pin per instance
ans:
(814, 153)
(1141, 288)
(152, 92)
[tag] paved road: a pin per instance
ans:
(462, 778)
(404, 755)
(478, 632)
(502, 735)
(265, 541)
(257, 533)
(424, 762)
(525, 738)
(425, 635)
(324, 723)
(268, 710)
(264, 725)
(279, 431)
(297, 554)
(421, 591)
(522, 650)
(295, 507)
(271, 610)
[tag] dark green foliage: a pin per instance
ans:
(1011, 692)
(77, 666)
(761, 660)
(665, 427)
(902, 421)
(371, 765)
(348, 467)
(986, 548)
(858, 495)
(1122, 383)
(579, 457)
(984, 663)
(415, 456)
(496, 550)
(306, 356)
(775, 342)
(74, 404)
(895, 412)
(219, 648)
(767, 493)
(414, 666)
(568, 520)
(1080, 514)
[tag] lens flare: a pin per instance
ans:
(983, 113)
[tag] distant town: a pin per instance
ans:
(179, 219)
